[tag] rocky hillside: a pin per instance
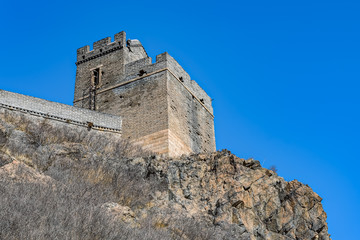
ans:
(62, 182)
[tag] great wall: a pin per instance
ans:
(118, 89)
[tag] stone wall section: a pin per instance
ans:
(112, 70)
(110, 58)
(142, 104)
(177, 146)
(161, 107)
(179, 73)
(60, 112)
(189, 120)
(156, 142)
(156, 105)
(140, 99)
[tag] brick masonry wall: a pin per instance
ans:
(111, 58)
(157, 105)
(161, 107)
(112, 67)
(141, 104)
(73, 129)
(189, 120)
(176, 69)
(59, 112)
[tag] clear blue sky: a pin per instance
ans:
(284, 75)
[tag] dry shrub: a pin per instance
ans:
(85, 170)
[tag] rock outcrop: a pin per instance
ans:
(67, 183)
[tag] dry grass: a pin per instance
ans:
(85, 170)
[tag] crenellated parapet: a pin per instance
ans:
(184, 78)
(162, 108)
(59, 112)
(101, 48)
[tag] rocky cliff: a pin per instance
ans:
(62, 182)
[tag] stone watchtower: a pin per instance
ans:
(162, 108)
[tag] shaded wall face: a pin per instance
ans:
(142, 105)
(59, 112)
(111, 67)
(157, 109)
(191, 126)
(111, 71)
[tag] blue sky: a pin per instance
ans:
(284, 75)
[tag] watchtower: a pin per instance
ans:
(162, 108)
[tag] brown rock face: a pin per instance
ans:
(238, 194)
(78, 184)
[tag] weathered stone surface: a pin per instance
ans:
(119, 89)
(83, 189)
(54, 111)
(119, 213)
(151, 98)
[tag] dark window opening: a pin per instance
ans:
(202, 100)
(181, 79)
(100, 49)
(96, 77)
(141, 72)
(83, 57)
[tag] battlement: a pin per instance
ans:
(102, 47)
(119, 89)
(162, 108)
(181, 75)
(59, 112)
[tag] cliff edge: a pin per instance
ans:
(63, 182)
